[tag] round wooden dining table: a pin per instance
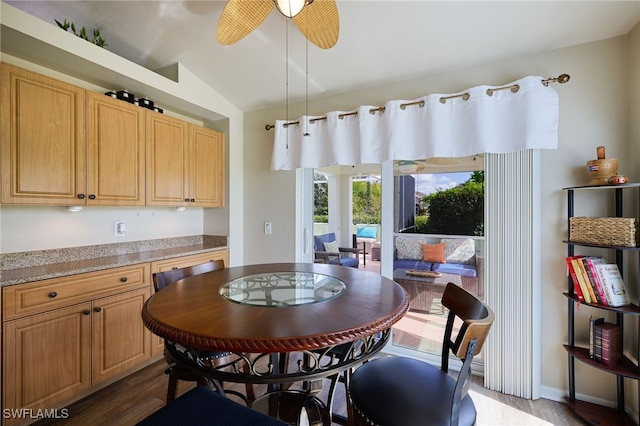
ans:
(329, 317)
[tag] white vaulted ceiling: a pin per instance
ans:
(380, 41)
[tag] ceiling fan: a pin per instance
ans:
(316, 19)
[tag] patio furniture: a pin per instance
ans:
(365, 237)
(461, 259)
(423, 291)
(375, 250)
(345, 256)
(398, 390)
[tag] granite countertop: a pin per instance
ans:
(33, 266)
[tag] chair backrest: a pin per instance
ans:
(162, 279)
(319, 240)
(477, 319)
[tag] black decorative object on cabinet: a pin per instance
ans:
(593, 413)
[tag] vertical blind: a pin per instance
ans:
(513, 263)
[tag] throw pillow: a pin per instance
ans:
(366, 232)
(458, 250)
(433, 253)
(331, 247)
(409, 248)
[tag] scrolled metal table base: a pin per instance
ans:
(274, 369)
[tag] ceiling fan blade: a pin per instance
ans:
(319, 22)
(240, 17)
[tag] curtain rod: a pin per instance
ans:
(562, 78)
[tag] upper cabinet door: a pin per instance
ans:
(206, 178)
(115, 153)
(167, 164)
(43, 139)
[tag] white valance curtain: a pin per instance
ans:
(483, 119)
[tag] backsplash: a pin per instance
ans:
(45, 257)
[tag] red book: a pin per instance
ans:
(589, 263)
(608, 343)
(577, 289)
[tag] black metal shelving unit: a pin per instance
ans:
(627, 369)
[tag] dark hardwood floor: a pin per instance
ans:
(131, 399)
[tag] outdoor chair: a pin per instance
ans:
(327, 251)
(175, 371)
(398, 390)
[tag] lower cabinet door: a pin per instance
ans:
(120, 340)
(46, 357)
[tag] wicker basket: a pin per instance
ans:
(604, 231)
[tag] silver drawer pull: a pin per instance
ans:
(53, 294)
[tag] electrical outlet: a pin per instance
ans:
(267, 228)
(119, 229)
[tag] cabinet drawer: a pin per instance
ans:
(185, 261)
(27, 299)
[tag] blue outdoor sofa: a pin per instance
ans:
(460, 258)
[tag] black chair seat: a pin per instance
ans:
(401, 391)
(204, 407)
(407, 392)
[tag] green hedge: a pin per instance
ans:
(321, 218)
(457, 211)
(366, 219)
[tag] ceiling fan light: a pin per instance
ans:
(407, 166)
(290, 8)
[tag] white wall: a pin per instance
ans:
(594, 109)
(26, 228)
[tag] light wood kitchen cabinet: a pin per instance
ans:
(185, 261)
(64, 145)
(157, 342)
(185, 163)
(115, 152)
(65, 335)
(167, 163)
(120, 340)
(206, 179)
(43, 140)
(47, 357)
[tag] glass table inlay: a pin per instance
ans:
(281, 289)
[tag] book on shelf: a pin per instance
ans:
(587, 291)
(607, 340)
(577, 284)
(595, 298)
(589, 263)
(593, 322)
(612, 284)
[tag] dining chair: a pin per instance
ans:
(203, 407)
(399, 390)
(175, 371)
